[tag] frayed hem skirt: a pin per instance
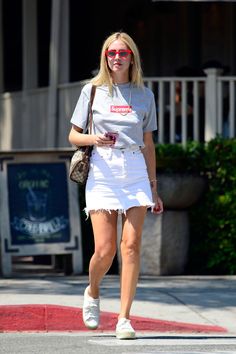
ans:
(117, 181)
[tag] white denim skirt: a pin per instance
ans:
(117, 180)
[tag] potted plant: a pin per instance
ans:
(179, 170)
(180, 185)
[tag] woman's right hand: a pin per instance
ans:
(78, 138)
(102, 140)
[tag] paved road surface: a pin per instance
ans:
(88, 343)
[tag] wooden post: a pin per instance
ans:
(1, 50)
(51, 140)
(211, 111)
(64, 43)
(30, 62)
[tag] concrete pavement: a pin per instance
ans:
(176, 304)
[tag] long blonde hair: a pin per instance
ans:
(104, 77)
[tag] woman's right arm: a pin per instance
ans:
(76, 137)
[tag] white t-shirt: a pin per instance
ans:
(130, 111)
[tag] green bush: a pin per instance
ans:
(213, 220)
(176, 158)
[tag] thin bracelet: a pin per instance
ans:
(152, 182)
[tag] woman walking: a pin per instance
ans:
(122, 176)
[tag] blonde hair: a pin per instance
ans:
(104, 77)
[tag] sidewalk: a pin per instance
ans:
(180, 304)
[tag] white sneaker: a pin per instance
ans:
(91, 311)
(124, 330)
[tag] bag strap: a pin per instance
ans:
(90, 114)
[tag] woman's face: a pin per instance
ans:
(119, 60)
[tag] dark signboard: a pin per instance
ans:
(38, 203)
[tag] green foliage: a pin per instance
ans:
(176, 158)
(215, 236)
(213, 219)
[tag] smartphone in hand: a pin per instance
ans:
(112, 136)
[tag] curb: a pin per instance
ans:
(52, 318)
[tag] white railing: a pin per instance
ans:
(220, 105)
(196, 108)
(179, 107)
(226, 106)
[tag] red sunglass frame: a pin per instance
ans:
(118, 52)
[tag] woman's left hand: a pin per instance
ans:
(158, 207)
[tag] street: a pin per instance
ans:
(182, 313)
(104, 343)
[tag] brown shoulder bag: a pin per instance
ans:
(79, 166)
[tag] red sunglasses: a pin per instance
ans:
(123, 53)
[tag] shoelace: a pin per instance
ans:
(125, 325)
(91, 310)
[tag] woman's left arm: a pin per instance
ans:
(150, 159)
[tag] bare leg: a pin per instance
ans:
(130, 254)
(105, 238)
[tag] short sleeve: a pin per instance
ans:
(150, 119)
(80, 114)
